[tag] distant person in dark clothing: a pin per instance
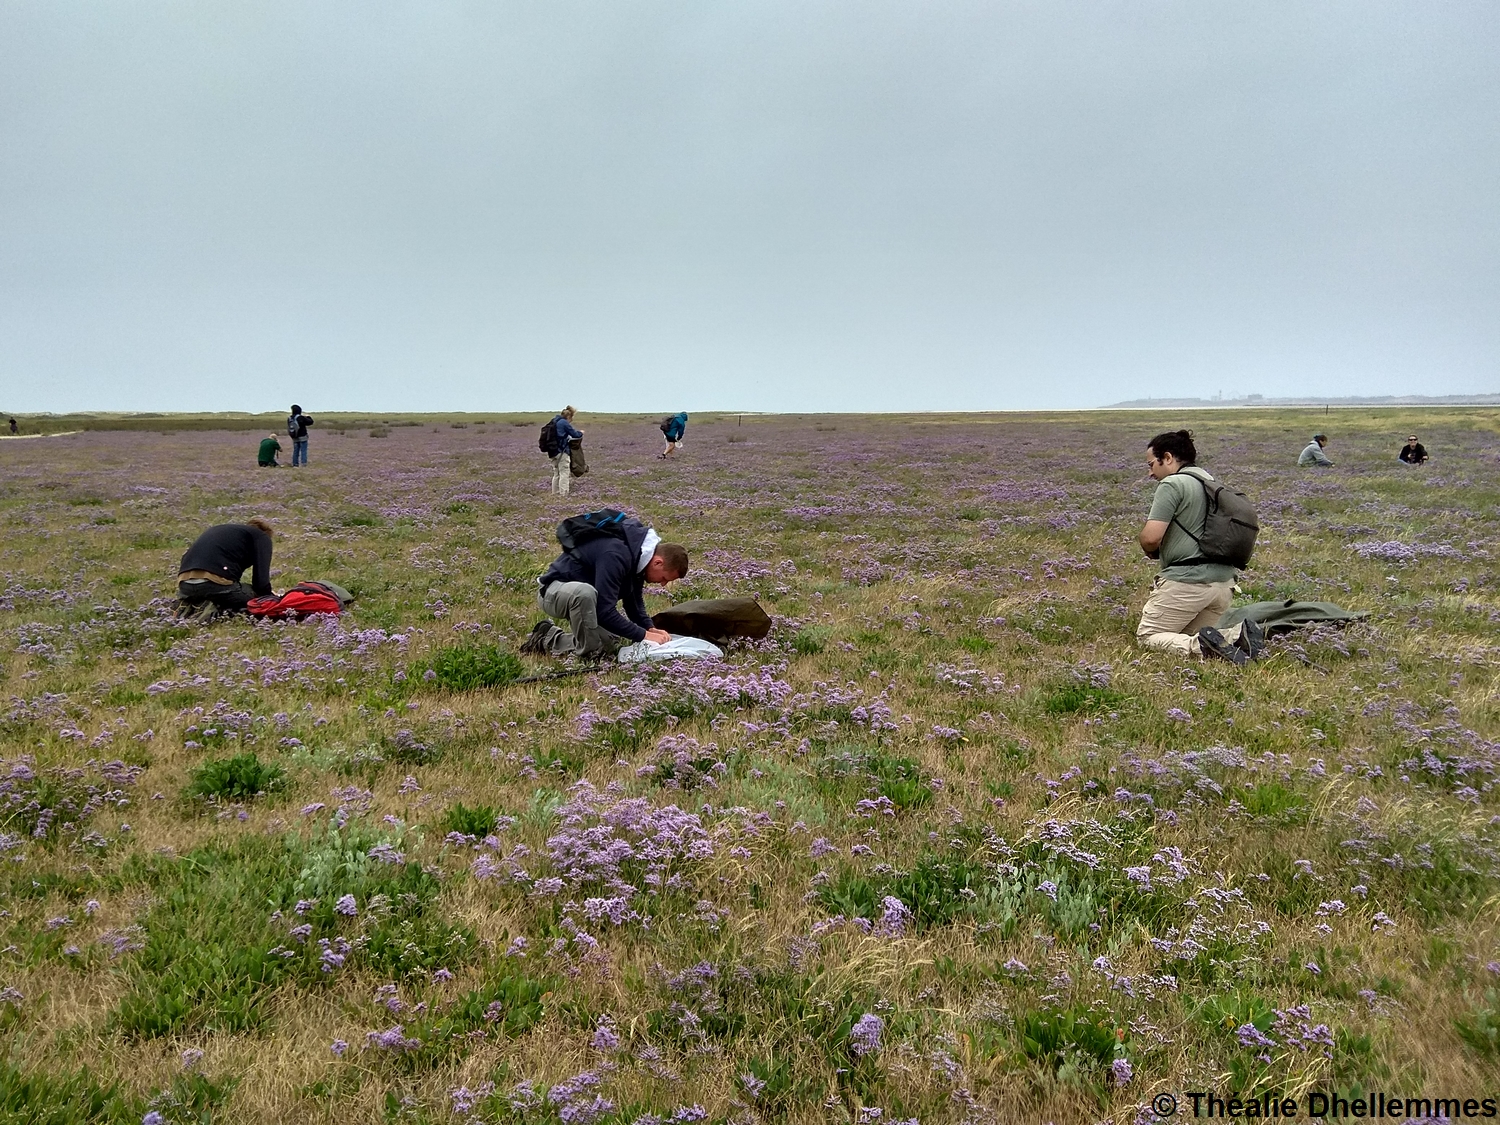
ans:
(270, 445)
(15, 429)
(210, 572)
(583, 585)
(1413, 452)
(672, 430)
(296, 428)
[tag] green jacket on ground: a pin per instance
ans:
(1283, 617)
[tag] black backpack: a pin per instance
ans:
(547, 443)
(607, 523)
(1229, 529)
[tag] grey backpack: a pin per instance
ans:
(1229, 529)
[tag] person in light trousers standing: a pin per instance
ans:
(562, 461)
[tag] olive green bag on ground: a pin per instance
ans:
(715, 619)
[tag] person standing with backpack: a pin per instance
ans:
(607, 559)
(1198, 556)
(672, 430)
(556, 442)
(296, 429)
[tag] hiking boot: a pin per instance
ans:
(1252, 639)
(1212, 642)
(201, 614)
(536, 644)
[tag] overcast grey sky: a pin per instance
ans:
(773, 206)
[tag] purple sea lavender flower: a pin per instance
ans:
(1122, 1072)
(1249, 1035)
(338, 1047)
(346, 906)
(895, 917)
(393, 1039)
(864, 1036)
(605, 1037)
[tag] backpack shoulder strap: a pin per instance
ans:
(1207, 495)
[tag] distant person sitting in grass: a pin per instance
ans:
(1189, 594)
(672, 430)
(1413, 452)
(607, 559)
(208, 578)
(270, 446)
(1313, 454)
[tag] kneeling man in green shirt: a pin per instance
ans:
(269, 447)
(1189, 594)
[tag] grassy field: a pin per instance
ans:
(947, 846)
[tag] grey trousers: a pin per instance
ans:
(578, 603)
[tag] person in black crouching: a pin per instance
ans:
(208, 578)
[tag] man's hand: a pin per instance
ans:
(658, 636)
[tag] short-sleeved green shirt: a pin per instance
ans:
(269, 447)
(1181, 497)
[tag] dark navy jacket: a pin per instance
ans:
(609, 566)
(227, 549)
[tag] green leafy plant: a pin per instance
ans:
(809, 641)
(1052, 1035)
(1480, 1026)
(239, 778)
(478, 822)
(467, 668)
(1072, 698)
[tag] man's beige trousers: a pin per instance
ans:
(1175, 611)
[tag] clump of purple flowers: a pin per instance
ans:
(864, 1036)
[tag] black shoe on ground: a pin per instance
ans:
(1212, 642)
(1252, 639)
(536, 643)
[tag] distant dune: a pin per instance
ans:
(1261, 400)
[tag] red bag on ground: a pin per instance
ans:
(302, 600)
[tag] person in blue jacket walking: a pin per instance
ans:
(672, 429)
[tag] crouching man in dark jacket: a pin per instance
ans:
(585, 584)
(208, 578)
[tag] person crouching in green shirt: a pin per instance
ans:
(1189, 594)
(269, 447)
